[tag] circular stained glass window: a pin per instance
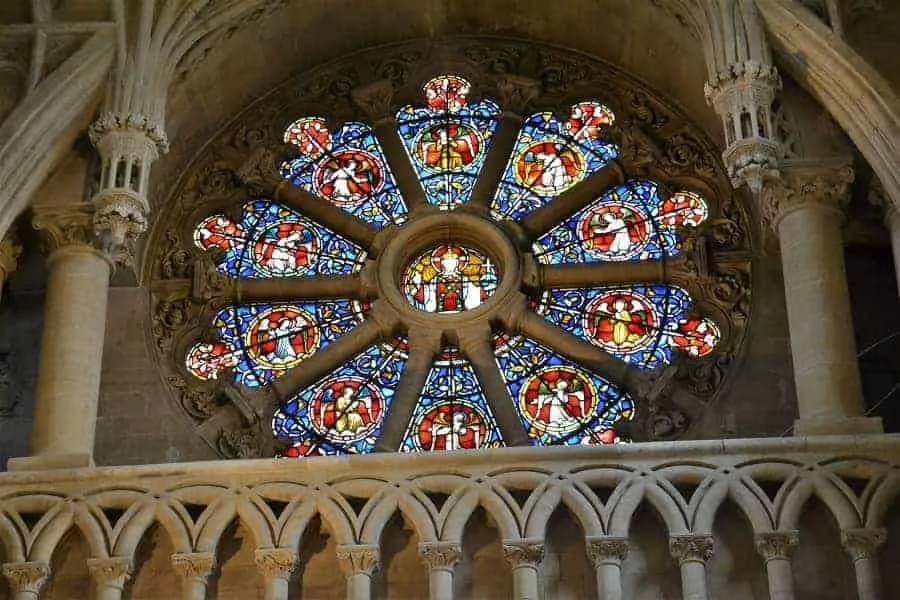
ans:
(449, 278)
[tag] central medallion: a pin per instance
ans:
(449, 278)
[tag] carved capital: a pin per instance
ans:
(110, 572)
(820, 186)
(65, 226)
(440, 555)
(691, 548)
(355, 560)
(26, 577)
(777, 545)
(516, 93)
(10, 252)
(740, 84)
(607, 551)
(863, 543)
(523, 553)
(196, 565)
(276, 563)
(120, 217)
(374, 99)
(128, 135)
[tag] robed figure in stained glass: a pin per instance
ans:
(456, 430)
(449, 279)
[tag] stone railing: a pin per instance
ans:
(602, 487)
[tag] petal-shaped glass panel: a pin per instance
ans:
(628, 223)
(343, 412)
(552, 156)
(452, 413)
(641, 325)
(448, 139)
(346, 168)
(274, 241)
(259, 342)
(559, 402)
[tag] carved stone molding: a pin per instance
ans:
(110, 572)
(602, 551)
(362, 559)
(691, 548)
(440, 555)
(524, 553)
(375, 99)
(26, 577)
(862, 544)
(777, 545)
(10, 252)
(195, 565)
(136, 127)
(821, 186)
(276, 563)
(517, 93)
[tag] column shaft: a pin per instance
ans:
(892, 220)
(693, 580)
(609, 581)
(193, 588)
(781, 579)
(526, 582)
(440, 584)
(277, 588)
(359, 586)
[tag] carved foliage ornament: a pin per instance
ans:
(777, 545)
(359, 559)
(819, 186)
(607, 550)
(691, 548)
(280, 563)
(440, 555)
(27, 577)
(523, 554)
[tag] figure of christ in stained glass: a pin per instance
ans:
(449, 278)
(628, 223)
(347, 169)
(274, 241)
(558, 402)
(552, 156)
(447, 139)
(641, 325)
(260, 342)
(452, 413)
(343, 412)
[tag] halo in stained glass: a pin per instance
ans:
(343, 412)
(274, 241)
(449, 278)
(346, 168)
(629, 222)
(448, 139)
(452, 412)
(552, 156)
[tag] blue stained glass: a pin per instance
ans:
(558, 402)
(640, 324)
(343, 413)
(348, 169)
(452, 412)
(628, 223)
(260, 342)
(550, 156)
(274, 241)
(447, 140)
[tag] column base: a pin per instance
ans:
(847, 426)
(49, 462)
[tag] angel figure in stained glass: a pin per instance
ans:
(621, 321)
(696, 337)
(612, 225)
(284, 338)
(448, 146)
(347, 407)
(458, 431)
(349, 177)
(550, 167)
(287, 248)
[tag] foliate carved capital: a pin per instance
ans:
(691, 548)
(196, 565)
(603, 551)
(440, 555)
(742, 83)
(359, 559)
(516, 93)
(10, 252)
(26, 576)
(863, 543)
(128, 135)
(777, 545)
(822, 186)
(110, 572)
(120, 217)
(523, 553)
(65, 226)
(276, 563)
(374, 99)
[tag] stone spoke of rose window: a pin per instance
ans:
(325, 213)
(603, 274)
(287, 289)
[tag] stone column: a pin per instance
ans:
(194, 569)
(359, 564)
(863, 545)
(805, 209)
(607, 554)
(776, 548)
(692, 552)
(110, 576)
(892, 221)
(277, 566)
(524, 556)
(440, 558)
(26, 579)
(10, 251)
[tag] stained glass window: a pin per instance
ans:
(629, 222)
(452, 413)
(447, 139)
(551, 157)
(557, 400)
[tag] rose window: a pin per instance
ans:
(453, 312)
